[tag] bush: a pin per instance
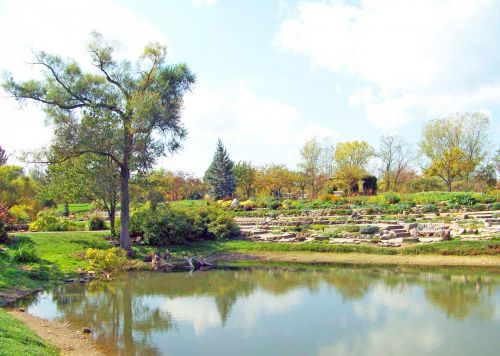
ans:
(96, 223)
(6, 220)
(430, 208)
(178, 225)
(47, 221)
(369, 229)
(463, 200)
(391, 198)
(247, 205)
(496, 206)
(25, 253)
(21, 214)
(106, 261)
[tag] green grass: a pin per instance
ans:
(17, 339)
(77, 209)
(59, 253)
(453, 247)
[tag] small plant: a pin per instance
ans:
(496, 206)
(430, 208)
(391, 198)
(25, 253)
(106, 261)
(96, 223)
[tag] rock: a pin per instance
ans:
(235, 203)
(465, 216)
(87, 330)
(21, 310)
(409, 226)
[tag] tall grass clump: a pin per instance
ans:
(25, 253)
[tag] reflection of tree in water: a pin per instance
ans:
(116, 318)
(121, 315)
(462, 298)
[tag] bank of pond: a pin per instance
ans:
(285, 309)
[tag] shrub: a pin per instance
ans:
(430, 208)
(96, 223)
(47, 221)
(496, 206)
(369, 229)
(106, 261)
(177, 225)
(391, 198)
(25, 253)
(463, 200)
(6, 220)
(247, 205)
(20, 213)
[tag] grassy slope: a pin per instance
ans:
(454, 247)
(17, 339)
(62, 253)
(59, 253)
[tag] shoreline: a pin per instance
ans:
(60, 334)
(307, 257)
(70, 341)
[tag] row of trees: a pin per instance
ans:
(452, 152)
(111, 124)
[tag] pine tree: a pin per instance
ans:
(220, 175)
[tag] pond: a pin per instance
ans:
(330, 310)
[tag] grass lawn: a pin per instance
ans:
(77, 209)
(17, 339)
(59, 253)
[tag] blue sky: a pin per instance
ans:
(273, 73)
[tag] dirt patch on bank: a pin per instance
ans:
(363, 258)
(62, 335)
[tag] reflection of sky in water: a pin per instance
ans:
(383, 320)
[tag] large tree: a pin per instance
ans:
(464, 132)
(245, 174)
(16, 188)
(65, 183)
(220, 176)
(127, 112)
(351, 159)
(450, 166)
(310, 164)
(395, 156)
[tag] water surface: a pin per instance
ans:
(287, 311)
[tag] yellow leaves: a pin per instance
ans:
(452, 164)
(107, 261)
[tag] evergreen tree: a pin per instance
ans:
(220, 175)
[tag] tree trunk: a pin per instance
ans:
(124, 208)
(112, 216)
(66, 209)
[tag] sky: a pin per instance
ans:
(272, 73)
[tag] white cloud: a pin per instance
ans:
(200, 3)
(420, 56)
(200, 312)
(60, 27)
(248, 124)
